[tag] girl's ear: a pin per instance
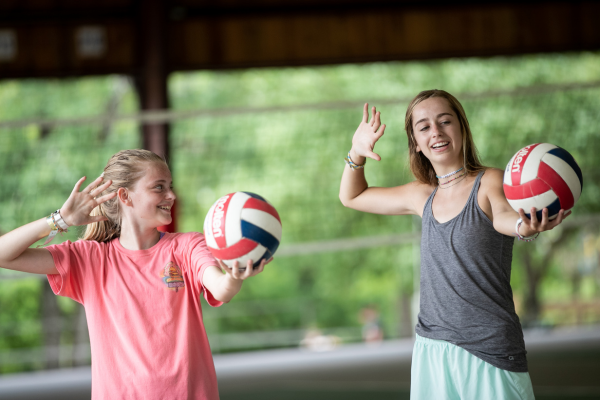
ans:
(123, 196)
(418, 149)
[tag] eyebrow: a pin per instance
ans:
(160, 181)
(425, 119)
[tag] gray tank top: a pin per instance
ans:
(466, 298)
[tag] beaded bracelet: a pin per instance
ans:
(524, 238)
(352, 164)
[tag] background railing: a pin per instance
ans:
(283, 133)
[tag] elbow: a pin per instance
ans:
(222, 299)
(344, 200)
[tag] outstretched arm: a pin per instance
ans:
(354, 190)
(505, 218)
(15, 253)
(226, 282)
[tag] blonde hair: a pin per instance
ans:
(124, 169)
(419, 164)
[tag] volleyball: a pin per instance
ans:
(242, 226)
(542, 175)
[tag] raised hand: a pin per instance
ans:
(532, 226)
(243, 273)
(78, 207)
(366, 135)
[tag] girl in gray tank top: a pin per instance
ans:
(480, 317)
(467, 328)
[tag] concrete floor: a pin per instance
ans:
(564, 364)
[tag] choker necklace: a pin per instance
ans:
(453, 179)
(450, 174)
(463, 176)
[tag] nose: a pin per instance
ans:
(435, 130)
(171, 195)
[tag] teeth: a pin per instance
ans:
(165, 208)
(435, 146)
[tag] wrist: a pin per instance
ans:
(59, 221)
(358, 160)
(524, 232)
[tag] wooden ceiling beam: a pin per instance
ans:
(271, 33)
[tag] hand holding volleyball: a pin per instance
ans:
(367, 134)
(542, 176)
(242, 227)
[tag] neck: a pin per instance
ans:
(138, 238)
(441, 170)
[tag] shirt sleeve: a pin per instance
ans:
(200, 259)
(70, 262)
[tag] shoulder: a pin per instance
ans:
(186, 240)
(492, 178)
(418, 192)
(81, 245)
(80, 249)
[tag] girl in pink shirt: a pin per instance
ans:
(140, 288)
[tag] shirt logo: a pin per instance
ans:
(171, 276)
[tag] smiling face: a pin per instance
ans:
(437, 132)
(149, 202)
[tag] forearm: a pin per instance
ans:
(353, 182)
(222, 286)
(506, 221)
(16, 254)
(14, 243)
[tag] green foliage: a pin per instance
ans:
(294, 158)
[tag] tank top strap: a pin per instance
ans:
(473, 196)
(427, 213)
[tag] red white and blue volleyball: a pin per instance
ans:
(542, 175)
(242, 226)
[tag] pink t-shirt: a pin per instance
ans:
(144, 316)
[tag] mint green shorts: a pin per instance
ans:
(443, 371)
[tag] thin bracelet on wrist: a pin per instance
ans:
(524, 238)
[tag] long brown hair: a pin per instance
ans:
(124, 169)
(419, 164)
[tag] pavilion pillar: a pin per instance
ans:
(151, 78)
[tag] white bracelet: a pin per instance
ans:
(60, 221)
(524, 238)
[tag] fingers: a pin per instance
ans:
(93, 185)
(98, 218)
(377, 121)
(233, 270)
(101, 188)
(261, 266)
(381, 131)
(106, 197)
(249, 270)
(524, 216)
(78, 185)
(373, 156)
(373, 112)
(365, 113)
(534, 219)
(239, 272)
(558, 219)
